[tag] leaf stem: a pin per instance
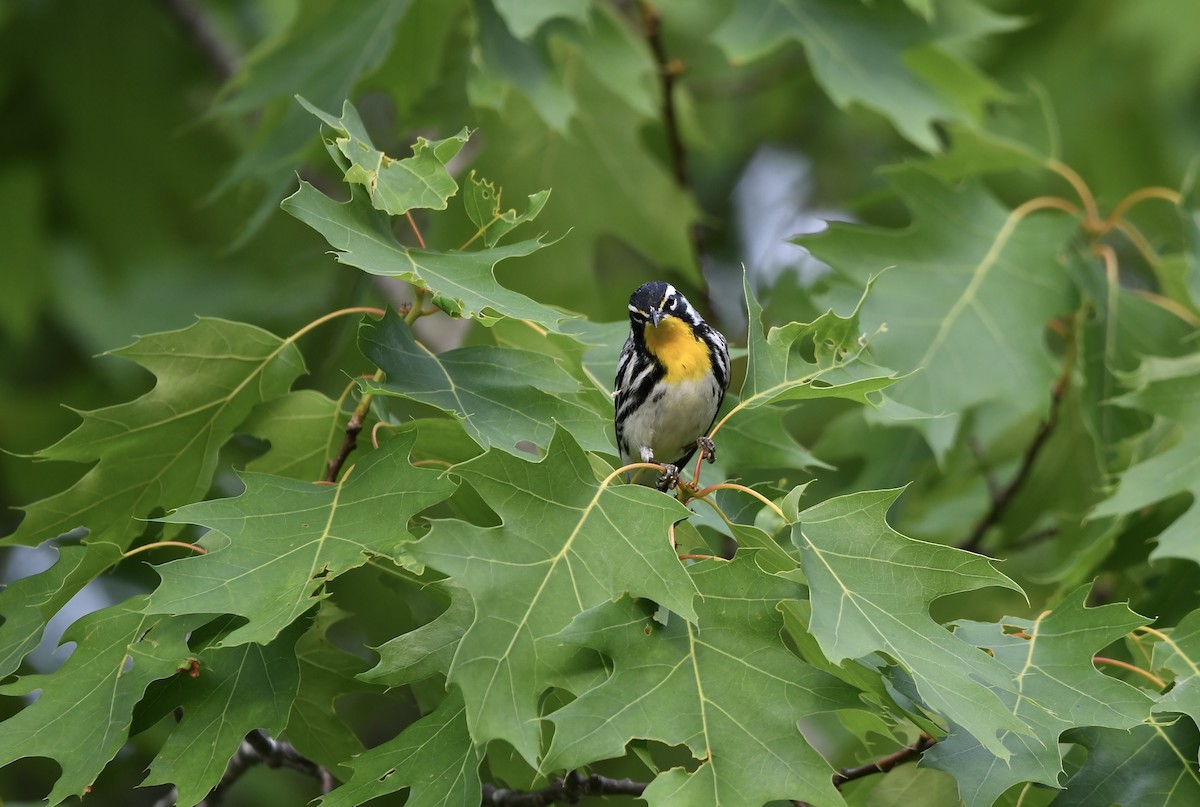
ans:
(1162, 637)
(700, 494)
(1141, 195)
(412, 223)
(145, 547)
(1125, 665)
(1092, 219)
(341, 312)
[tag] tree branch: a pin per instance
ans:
(257, 749)
(198, 27)
(668, 71)
(353, 427)
(569, 790)
(1002, 497)
(881, 765)
(884, 764)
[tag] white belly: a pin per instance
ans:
(669, 428)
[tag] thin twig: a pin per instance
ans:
(196, 24)
(353, 427)
(884, 764)
(1003, 497)
(569, 789)
(668, 72)
(257, 749)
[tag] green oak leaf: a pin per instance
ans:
(1057, 688)
(870, 589)
(757, 438)
(363, 238)
(484, 208)
(304, 429)
(83, 715)
(238, 689)
(327, 674)
(524, 17)
(727, 688)
(800, 361)
(501, 395)
(601, 161)
(1148, 766)
(434, 757)
(965, 302)
(504, 63)
(567, 543)
(322, 57)
(286, 538)
(394, 186)
(427, 650)
(28, 603)
(160, 450)
(1165, 387)
(863, 54)
(1181, 655)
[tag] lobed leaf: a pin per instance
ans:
(286, 539)
(160, 451)
(434, 758)
(1165, 387)
(863, 54)
(725, 687)
(83, 715)
(1148, 766)
(871, 588)
(363, 238)
(502, 396)
(568, 542)
(1057, 688)
(966, 302)
(237, 689)
(394, 186)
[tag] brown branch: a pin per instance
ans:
(569, 790)
(196, 25)
(668, 71)
(258, 749)
(1003, 497)
(353, 428)
(884, 764)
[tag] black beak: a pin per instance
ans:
(655, 317)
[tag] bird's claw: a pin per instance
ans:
(669, 478)
(708, 449)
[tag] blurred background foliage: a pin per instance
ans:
(146, 146)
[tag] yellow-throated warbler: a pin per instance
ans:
(671, 379)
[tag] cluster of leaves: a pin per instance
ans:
(481, 566)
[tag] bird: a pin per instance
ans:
(671, 380)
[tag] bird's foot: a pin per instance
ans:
(708, 449)
(669, 478)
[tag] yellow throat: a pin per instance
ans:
(683, 355)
